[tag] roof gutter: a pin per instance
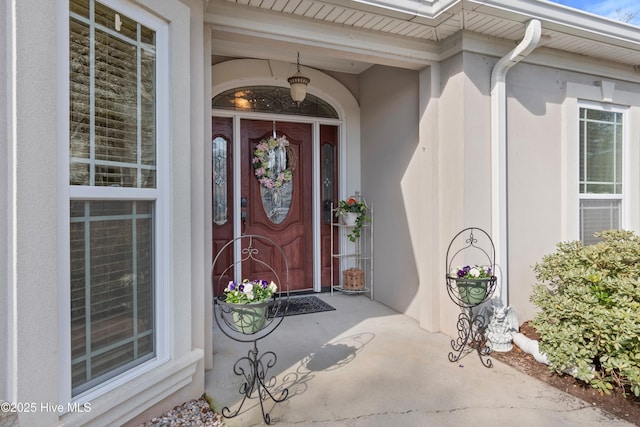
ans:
(499, 221)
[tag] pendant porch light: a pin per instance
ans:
(298, 84)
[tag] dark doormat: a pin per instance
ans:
(302, 305)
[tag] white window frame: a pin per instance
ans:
(604, 95)
(160, 194)
(622, 197)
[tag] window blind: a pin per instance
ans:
(112, 143)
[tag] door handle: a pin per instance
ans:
(244, 202)
(243, 218)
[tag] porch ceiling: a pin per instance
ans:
(350, 36)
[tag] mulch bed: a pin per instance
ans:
(615, 403)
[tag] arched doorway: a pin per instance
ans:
(297, 216)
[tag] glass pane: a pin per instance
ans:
(600, 115)
(600, 152)
(81, 7)
(326, 176)
(600, 155)
(112, 100)
(618, 154)
(148, 36)
(598, 215)
(276, 202)
(108, 18)
(148, 108)
(115, 100)
(220, 180)
(113, 176)
(79, 174)
(80, 105)
(112, 323)
(271, 99)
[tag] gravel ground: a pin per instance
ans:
(192, 413)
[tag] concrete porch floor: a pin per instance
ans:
(367, 365)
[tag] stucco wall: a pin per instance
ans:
(538, 203)
(32, 261)
(451, 176)
(463, 161)
(534, 140)
(415, 175)
(4, 205)
(455, 134)
(389, 101)
(540, 211)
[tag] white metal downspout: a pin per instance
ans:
(499, 215)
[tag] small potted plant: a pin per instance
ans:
(472, 282)
(353, 213)
(248, 302)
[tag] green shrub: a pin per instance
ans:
(589, 321)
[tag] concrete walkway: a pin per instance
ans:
(366, 365)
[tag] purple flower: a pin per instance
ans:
(476, 271)
(463, 271)
(231, 286)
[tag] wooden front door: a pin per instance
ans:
(282, 214)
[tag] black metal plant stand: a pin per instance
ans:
(254, 369)
(238, 321)
(471, 246)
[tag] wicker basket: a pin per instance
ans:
(353, 279)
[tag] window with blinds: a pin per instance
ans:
(600, 181)
(112, 143)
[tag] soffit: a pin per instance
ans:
(349, 36)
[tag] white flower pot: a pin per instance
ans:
(349, 218)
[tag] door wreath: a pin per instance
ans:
(273, 162)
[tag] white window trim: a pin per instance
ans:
(162, 265)
(622, 197)
(605, 96)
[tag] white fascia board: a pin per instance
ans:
(466, 41)
(562, 19)
(290, 28)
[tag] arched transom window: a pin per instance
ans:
(271, 99)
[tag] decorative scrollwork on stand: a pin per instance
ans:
(251, 322)
(471, 336)
(471, 240)
(254, 369)
(470, 292)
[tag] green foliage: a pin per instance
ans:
(589, 321)
(354, 205)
